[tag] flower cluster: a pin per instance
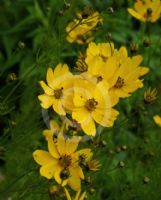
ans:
(89, 96)
(83, 101)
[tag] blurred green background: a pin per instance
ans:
(32, 38)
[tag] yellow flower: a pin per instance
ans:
(125, 79)
(79, 30)
(92, 103)
(146, 10)
(78, 195)
(157, 120)
(62, 161)
(58, 91)
(150, 95)
(122, 74)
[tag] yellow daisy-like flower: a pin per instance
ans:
(157, 120)
(146, 10)
(79, 30)
(125, 78)
(121, 73)
(57, 90)
(92, 103)
(78, 195)
(62, 161)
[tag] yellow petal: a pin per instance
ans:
(113, 115)
(80, 115)
(157, 120)
(48, 134)
(72, 144)
(50, 77)
(42, 157)
(101, 116)
(53, 125)
(136, 15)
(46, 89)
(57, 71)
(123, 52)
(61, 145)
(74, 180)
(83, 196)
(79, 172)
(78, 100)
(53, 148)
(48, 170)
(137, 60)
(88, 126)
(110, 68)
(143, 70)
(77, 195)
(67, 194)
(140, 7)
(131, 87)
(46, 101)
(58, 107)
(57, 174)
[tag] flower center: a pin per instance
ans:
(58, 93)
(119, 83)
(91, 104)
(148, 13)
(65, 161)
(99, 79)
(64, 174)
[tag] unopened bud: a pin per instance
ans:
(146, 179)
(110, 10)
(124, 147)
(21, 45)
(66, 5)
(147, 42)
(133, 47)
(121, 164)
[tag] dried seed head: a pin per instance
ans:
(150, 95)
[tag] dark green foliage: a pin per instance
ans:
(32, 38)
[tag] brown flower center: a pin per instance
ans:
(64, 174)
(148, 13)
(119, 83)
(58, 93)
(91, 104)
(99, 79)
(65, 161)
